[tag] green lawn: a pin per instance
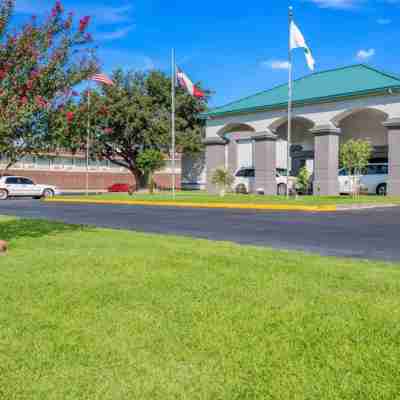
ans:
(203, 197)
(91, 313)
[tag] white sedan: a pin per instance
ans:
(24, 187)
(245, 181)
(373, 180)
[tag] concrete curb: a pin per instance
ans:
(360, 207)
(248, 206)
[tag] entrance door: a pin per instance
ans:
(245, 153)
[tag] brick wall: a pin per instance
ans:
(68, 180)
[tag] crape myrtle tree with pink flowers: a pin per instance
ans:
(40, 64)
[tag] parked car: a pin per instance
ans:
(245, 181)
(373, 180)
(21, 186)
(120, 188)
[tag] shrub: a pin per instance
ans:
(303, 180)
(223, 179)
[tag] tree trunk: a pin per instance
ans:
(151, 183)
(137, 174)
(4, 170)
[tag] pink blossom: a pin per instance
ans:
(40, 101)
(83, 23)
(70, 116)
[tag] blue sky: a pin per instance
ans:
(236, 48)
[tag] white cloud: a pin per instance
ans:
(110, 15)
(364, 55)
(101, 14)
(384, 21)
(338, 4)
(117, 34)
(275, 64)
(112, 57)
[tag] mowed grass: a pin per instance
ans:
(91, 313)
(203, 197)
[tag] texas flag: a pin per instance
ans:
(185, 83)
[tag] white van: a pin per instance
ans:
(245, 181)
(373, 180)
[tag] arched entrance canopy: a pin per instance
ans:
(234, 128)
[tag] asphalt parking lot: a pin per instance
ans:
(372, 234)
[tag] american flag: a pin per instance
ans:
(101, 78)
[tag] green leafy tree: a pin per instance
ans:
(150, 161)
(40, 63)
(223, 179)
(354, 157)
(133, 116)
(303, 180)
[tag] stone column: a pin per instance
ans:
(265, 162)
(326, 163)
(393, 128)
(215, 158)
(232, 155)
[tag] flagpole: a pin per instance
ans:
(88, 143)
(290, 97)
(173, 81)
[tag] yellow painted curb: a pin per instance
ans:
(247, 206)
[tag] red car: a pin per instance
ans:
(121, 188)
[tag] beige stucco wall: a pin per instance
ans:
(365, 125)
(320, 114)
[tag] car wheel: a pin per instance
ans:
(241, 189)
(3, 194)
(47, 193)
(281, 189)
(381, 190)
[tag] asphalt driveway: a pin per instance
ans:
(373, 234)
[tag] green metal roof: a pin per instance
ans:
(340, 83)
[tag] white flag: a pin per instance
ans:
(297, 41)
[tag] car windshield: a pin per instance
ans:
(282, 171)
(246, 172)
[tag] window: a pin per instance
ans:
(28, 160)
(343, 172)
(25, 181)
(68, 162)
(58, 162)
(80, 162)
(281, 171)
(378, 169)
(246, 173)
(43, 162)
(103, 163)
(12, 181)
(249, 173)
